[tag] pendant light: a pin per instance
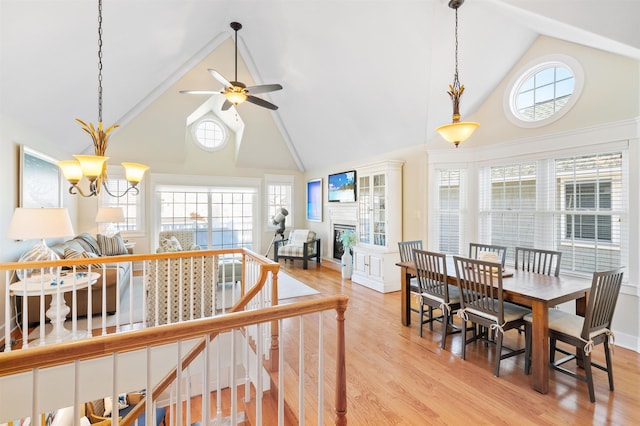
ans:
(458, 131)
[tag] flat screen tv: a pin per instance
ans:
(342, 187)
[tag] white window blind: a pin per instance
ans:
(449, 209)
(572, 204)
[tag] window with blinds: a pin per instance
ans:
(131, 203)
(449, 213)
(573, 204)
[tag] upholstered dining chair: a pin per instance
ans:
(583, 332)
(540, 261)
(482, 303)
(482, 252)
(406, 255)
(435, 292)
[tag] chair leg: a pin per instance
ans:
(607, 355)
(464, 338)
(527, 348)
(420, 322)
(587, 370)
(496, 369)
(430, 318)
(445, 324)
(552, 350)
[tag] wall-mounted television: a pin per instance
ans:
(342, 187)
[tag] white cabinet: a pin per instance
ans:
(379, 226)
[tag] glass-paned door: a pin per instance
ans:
(364, 209)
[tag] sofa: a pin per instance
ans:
(302, 244)
(83, 246)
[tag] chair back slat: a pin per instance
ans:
(431, 272)
(603, 298)
(406, 249)
(480, 285)
(476, 250)
(539, 261)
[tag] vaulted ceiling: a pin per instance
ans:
(359, 76)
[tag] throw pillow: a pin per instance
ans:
(170, 244)
(70, 253)
(111, 246)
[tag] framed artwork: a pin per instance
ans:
(314, 200)
(40, 180)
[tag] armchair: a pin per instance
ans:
(301, 244)
(184, 241)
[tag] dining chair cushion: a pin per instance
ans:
(454, 295)
(570, 324)
(511, 312)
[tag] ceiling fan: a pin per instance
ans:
(235, 91)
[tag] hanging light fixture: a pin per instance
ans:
(458, 131)
(94, 167)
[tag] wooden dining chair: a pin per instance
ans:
(540, 261)
(435, 292)
(482, 303)
(477, 250)
(583, 332)
(406, 255)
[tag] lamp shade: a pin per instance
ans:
(39, 223)
(110, 215)
(91, 165)
(134, 172)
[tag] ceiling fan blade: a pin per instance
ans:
(201, 92)
(226, 105)
(261, 102)
(264, 88)
(219, 77)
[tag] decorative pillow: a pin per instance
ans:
(170, 244)
(70, 253)
(298, 237)
(111, 246)
(63, 417)
(84, 421)
(108, 404)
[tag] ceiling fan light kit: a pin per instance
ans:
(458, 131)
(94, 167)
(235, 91)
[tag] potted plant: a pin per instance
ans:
(348, 240)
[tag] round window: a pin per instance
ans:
(209, 134)
(544, 92)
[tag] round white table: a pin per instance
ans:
(41, 285)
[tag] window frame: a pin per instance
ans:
(278, 180)
(209, 118)
(529, 70)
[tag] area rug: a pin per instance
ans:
(289, 287)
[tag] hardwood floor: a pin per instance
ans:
(396, 377)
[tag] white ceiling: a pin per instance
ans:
(359, 75)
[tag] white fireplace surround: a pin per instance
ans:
(339, 214)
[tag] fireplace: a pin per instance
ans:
(338, 230)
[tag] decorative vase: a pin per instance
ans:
(347, 264)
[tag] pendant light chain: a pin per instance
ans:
(456, 81)
(99, 61)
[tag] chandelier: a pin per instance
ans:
(94, 167)
(458, 131)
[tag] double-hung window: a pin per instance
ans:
(572, 204)
(279, 195)
(449, 205)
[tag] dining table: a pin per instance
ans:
(537, 291)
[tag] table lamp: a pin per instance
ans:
(38, 224)
(110, 216)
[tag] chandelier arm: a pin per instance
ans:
(135, 190)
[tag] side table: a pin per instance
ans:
(58, 310)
